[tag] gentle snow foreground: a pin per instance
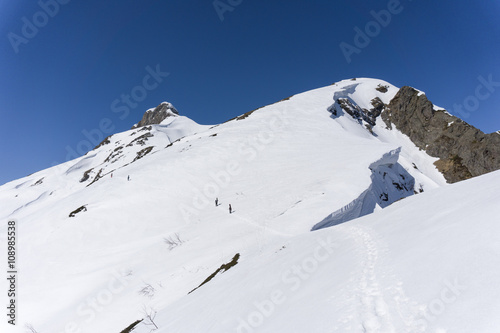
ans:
(157, 248)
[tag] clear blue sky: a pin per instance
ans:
(63, 78)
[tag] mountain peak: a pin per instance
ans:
(157, 115)
(335, 156)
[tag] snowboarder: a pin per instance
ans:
(230, 209)
(216, 202)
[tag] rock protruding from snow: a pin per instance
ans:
(344, 101)
(464, 150)
(390, 183)
(157, 115)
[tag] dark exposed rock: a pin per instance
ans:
(358, 113)
(96, 178)
(464, 151)
(112, 157)
(38, 182)
(223, 268)
(382, 89)
(454, 168)
(142, 153)
(333, 110)
(78, 210)
(378, 107)
(86, 175)
(157, 115)
(245, 115)
(146, 128)
(131, 327)
(140, 140)
(103, 142)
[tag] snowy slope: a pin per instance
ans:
(284, 168)
(424, 264)
(114, 153)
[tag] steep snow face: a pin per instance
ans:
(155, 238)
(390, 182)
(178, 127)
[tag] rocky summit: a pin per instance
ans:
(157, 115)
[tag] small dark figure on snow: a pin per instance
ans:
(216, 202)
(128, 177)
(230, 209)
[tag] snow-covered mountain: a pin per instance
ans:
(129, 236)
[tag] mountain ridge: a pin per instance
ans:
(463, 150)
(149, 219)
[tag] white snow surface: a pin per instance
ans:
(427, 263)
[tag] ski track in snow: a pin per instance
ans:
(381, 310)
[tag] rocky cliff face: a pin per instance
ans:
(157, 115)
(463, 150)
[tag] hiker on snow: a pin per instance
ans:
(216, 202)
(230, 209)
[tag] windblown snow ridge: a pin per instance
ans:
(390, 182)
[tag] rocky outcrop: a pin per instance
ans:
(157, 115)
(356, 112)
(463, 150)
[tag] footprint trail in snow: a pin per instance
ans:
(380, 309)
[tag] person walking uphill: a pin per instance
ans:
(230, 209)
